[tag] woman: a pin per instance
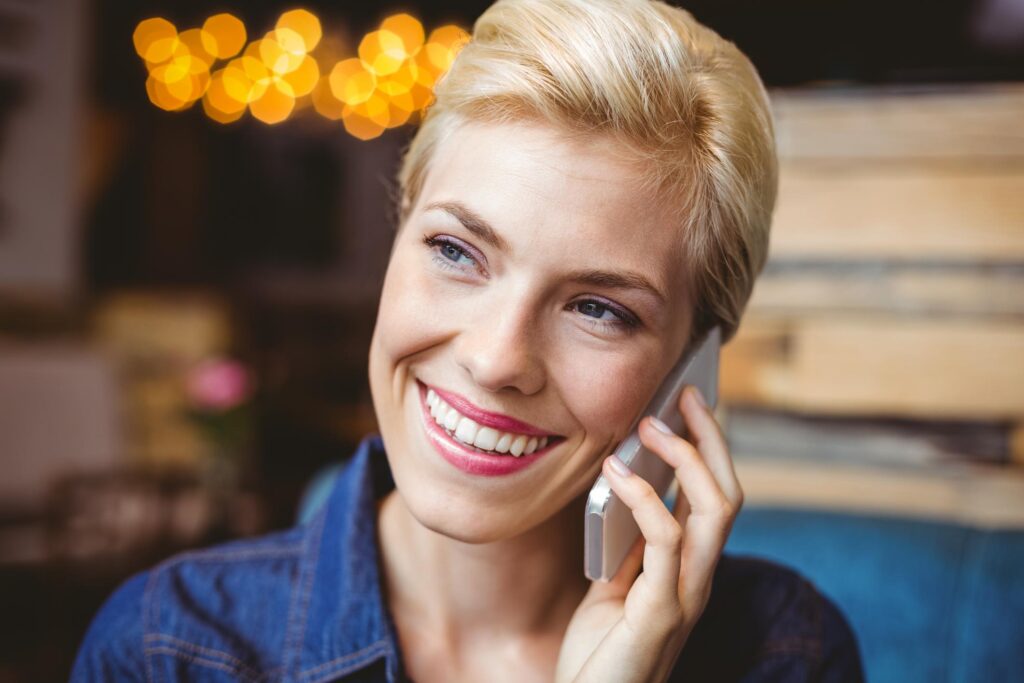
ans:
(591, 190)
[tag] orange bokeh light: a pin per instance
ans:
(221, 98)
(360, 126)
(389, 84)
(154, 39)
(408, 28)
(304, 78)
(444, 44)
(202, 47)
(282, 50)
(383, 52)
(275, 104)
(324, 101)
(305, 24)
(351, 82)
(228, 33)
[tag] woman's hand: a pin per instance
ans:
(632, 629)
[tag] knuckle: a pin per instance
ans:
(648, 495)
(674, 537)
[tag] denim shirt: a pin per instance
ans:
(305, 605)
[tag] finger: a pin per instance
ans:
(696, 481)
(706, 434)
(663, 535)
(708, 512)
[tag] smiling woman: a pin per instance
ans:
(590, 193)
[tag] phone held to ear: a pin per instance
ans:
(609, 527)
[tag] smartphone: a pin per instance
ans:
(609, 529)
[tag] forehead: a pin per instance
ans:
(575, 198)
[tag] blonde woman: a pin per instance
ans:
(591, 190)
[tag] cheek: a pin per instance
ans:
(409, 317)
(609, 391)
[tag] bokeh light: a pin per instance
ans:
(324, 101)
(202, 48)
(388, 83)
(408, 28)
(219, 103)
(282, 50)
(382, 51)
(155, 39)
(275, 104)
(304, 24)
(352, 82)
(228, 33)
(303, 78)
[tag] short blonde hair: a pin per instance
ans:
(687, 105)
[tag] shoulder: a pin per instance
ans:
(223, 607)
(766, 622)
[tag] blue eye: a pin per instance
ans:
(619, 319)
(448, 254)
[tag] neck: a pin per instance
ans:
(525, 586)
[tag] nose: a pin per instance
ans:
(501, 347)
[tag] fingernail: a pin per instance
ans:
(619, 467)
(700, 397)
(660, 426)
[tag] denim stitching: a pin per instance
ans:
(151, 606)
(248, 673)
(177, 642)
(300, 599)
(364, 656)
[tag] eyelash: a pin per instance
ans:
(627, 322)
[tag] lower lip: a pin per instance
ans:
(468, 459)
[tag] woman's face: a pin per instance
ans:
(519, 283)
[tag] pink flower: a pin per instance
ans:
(218, 384)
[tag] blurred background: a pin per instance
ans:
(196, 208)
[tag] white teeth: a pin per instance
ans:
(486, 438)
(470, 432)
(518, 444)
(503, 443)
(466, 431)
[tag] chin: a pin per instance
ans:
(460, 520)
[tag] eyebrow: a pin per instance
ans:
(473, 222)
(477, 225)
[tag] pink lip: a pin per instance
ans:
(469, 459)
(486, 418)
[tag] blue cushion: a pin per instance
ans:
(929, 601)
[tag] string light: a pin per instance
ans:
(387, 84)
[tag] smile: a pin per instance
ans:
(480, 448)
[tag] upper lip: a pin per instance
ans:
(499, 421)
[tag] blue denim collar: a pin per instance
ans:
(338, 613)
